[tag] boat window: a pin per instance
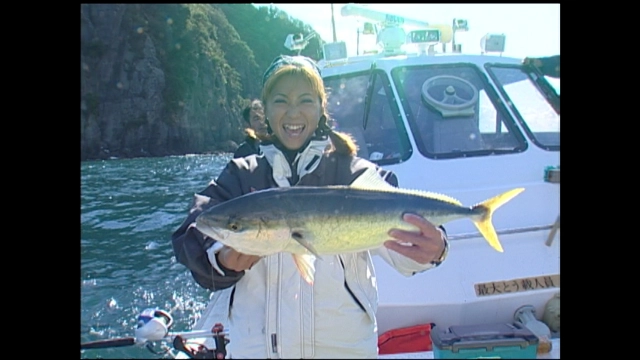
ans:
(535, 101)
(454, 112)
(384, 140)
(555, 83)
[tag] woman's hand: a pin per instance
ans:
(422, 246)
(236, 261)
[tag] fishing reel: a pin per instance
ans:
(153, 325)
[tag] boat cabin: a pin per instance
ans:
(470, 126)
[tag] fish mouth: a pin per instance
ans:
(293, 130)
(205, 227)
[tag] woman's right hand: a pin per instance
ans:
(236, 261)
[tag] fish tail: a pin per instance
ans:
(486, 209)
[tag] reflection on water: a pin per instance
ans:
(129, 208)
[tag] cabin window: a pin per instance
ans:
(534, 100)
(555, 84)
(382, 137)
(454, 112)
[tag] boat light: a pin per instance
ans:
(428, 36)
(391, 39)
(492, 43)
(368, 29)
(424, 39)
(335, 51)
(460, 25)
(298, 42)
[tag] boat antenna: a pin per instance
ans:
(333, 25)
(369, 95)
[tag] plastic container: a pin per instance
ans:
(504, 341)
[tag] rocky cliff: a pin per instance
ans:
(161, 79)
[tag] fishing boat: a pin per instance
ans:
(470, 126)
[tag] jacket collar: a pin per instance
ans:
(307, 160)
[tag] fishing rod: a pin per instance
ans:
(154, 324)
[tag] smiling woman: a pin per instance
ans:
(295, 100)
(291, 99)
(293, 111)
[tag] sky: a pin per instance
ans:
(531, 29)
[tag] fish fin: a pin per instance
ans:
(302, 239)
(306, 266)
(483, 222)
(371, 180)
(437, 196)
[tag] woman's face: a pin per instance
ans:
(293, 110)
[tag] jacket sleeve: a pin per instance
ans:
(190, 245)
(549, 66)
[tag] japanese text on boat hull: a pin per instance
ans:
(517, 285)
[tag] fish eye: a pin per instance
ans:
(233, 226)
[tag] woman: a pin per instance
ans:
(273, 312)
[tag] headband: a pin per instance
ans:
(282, 60)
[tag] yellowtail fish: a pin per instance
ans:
(311, 221)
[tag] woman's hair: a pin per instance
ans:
(300, 66)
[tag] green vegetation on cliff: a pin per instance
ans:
(168, 79)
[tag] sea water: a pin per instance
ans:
(128, 210)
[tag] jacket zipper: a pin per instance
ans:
(233, 292)
(274, 343)
(346, 286)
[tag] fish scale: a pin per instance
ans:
(342, 219)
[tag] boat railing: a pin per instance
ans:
(501, 232)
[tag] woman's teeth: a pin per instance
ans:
(293, 130)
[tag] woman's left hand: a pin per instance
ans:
(422, 246)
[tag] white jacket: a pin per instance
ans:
(274, 313)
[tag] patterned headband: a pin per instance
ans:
(280, 61)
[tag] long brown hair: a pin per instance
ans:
(342, 142)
